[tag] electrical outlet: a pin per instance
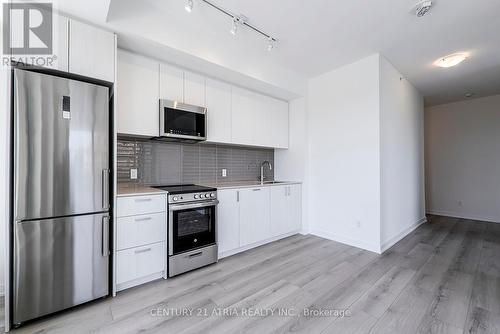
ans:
(460, 203)
(133, 173)
(358, 224)
(224, 172)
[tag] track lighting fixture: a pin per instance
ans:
(236, 21)
(189, 6)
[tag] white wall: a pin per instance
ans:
(344, 154)
(291, 164)
(401, 156)
(463, 159)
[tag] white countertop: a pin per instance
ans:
(129, 189)
(247, 184)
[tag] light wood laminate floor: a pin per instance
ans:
(442, 278)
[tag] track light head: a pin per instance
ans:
(189, 6)
(270, 43)
(234, 26)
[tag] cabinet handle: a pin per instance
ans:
(143, 219)
(258, 189)
(142, 250)
(143, 200)
(237, 196)
(289, 190)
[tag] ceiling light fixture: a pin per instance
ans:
(189, 6)
(451, 60)
(239, 20)
(469, 95)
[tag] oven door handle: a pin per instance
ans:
(177, 207)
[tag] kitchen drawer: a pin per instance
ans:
(133, 231)
(134, 263)
(139, 205)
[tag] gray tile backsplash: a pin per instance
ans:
(164, 163)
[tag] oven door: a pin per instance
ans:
(182, 121)
(191, 226)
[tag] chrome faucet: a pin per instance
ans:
(262, 170)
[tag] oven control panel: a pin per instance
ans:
(192, 197)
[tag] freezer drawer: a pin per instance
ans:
(59, 263)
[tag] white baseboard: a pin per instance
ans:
(346, 240)
(464, 216)
(392, 241)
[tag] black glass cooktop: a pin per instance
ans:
(184, 189)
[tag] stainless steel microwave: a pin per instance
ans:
(181, 121)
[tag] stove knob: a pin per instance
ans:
(196, 196)
(212, 195)
(207, 195)
(175, 198)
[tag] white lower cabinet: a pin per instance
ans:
(255, 215)
(139, 262)
(285, 209)
(228, 220)
(249, 217)
(140, 240)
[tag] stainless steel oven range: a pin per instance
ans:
(192, 219)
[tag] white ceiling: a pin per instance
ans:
(317, 36)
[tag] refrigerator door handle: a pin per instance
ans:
(105, 236)
(105, 188)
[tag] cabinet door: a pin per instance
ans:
(60, 46)
(228, 220)
(171, 83)
(279, 210)
(218, 97)
(294, 207)
(194, 89)
(91, 51)
(242, 122)
(262, 126)
(137, 95)
(254, 215)
(278, 120)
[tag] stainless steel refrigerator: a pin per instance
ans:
(60, 252)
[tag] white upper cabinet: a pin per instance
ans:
(171, 83)
(235, 115)
(243, 116)
(194, 89)
(278, 120)
(218, 98)
(91, 51)
(137, 95)
(61, 44)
